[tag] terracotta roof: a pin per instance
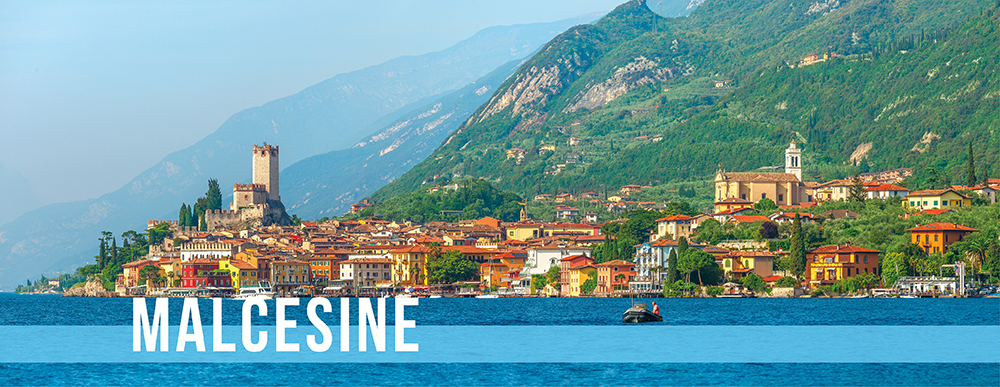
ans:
(739, 253)
(732, 211)
(936, 211)
(239, 264)
(616, 262)
(772, 278)
(935, 192)
(674, 217)
(734, 201)
(942, 226)
(886, 187)
(841, 249)
(572, 257)
(760, 176)
(750, 218)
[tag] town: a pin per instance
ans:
(763, 238)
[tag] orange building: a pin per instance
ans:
(614, 276)
(568, 263)
(935, 238)
(828, 264)
(498, 270)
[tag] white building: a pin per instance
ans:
(541, 259)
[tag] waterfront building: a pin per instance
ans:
(288, 275)
(651, 259)
(935, 238)
(241, 273)
(613, 276)
(204, 273)
(828, 264)
(361, 272)
(738, 264)
(578, 275)
(542, 258)
(566, 284)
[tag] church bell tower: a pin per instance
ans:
(793, 161)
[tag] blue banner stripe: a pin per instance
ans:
(531, 344)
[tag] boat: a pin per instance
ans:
(487, 296)
(262, 290)
(435, 296)
(639, 314)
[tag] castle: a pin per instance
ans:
(255, 204)
(784, 188)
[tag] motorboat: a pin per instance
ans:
(262, 290)
(487, 296)
(435, 296)
(638, 313)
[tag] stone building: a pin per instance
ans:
(784, 188)
(255, 204)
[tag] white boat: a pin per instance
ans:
(435, 296)
(487, 296)
(261, 290)
(404, 295)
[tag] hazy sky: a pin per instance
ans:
(92, 93)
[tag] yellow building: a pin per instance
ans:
(241, 273)
(577, 276)
(738, 264)
(525, 231)
(409, 265)
(936, 199)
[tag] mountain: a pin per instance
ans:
(17, 195)
(636, 93)
(333, 114)
(327, 184)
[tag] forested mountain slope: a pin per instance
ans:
(634, 99)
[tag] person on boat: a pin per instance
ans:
(656, 309)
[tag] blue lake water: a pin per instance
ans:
(59, 311)
(56, 310)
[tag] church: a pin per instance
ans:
(784, 188)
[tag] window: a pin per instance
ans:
(935, 202)
(763, 196)
(935, 237)
(943, 203)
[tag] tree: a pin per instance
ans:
(451, 267)
(857, 194)
(588, 286)
(672, 272)
(183, 214)
(970, 174)
(213, 197)
(553, 275)
(692, 260)
(786, 282)
(538, 281)
(765, 206)
(797, 252)
(753, 282)
(149, 273)
(768, 230)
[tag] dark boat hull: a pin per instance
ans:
(639, 316)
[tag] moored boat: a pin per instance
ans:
(639, 314)
(261, 290)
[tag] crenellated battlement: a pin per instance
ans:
(249, 188)
(153, 223)
(265, 150)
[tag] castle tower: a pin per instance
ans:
(265, 169)
(793, 161)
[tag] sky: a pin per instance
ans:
(94, 92)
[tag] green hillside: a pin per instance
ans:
(642, 107)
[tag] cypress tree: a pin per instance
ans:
(797, 252)
(114, 251)
(213, 196)
(182, 215)
(682, 245)
(970, 176)
(672, 273)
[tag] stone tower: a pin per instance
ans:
(265, 169)
(793, 161)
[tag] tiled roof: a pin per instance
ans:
(674, 217)
(734, 201)
(934, 192)
(842, 249)
(886, 187)
(760, 176)
(616, 262)
(942, 226)
(750, 218)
